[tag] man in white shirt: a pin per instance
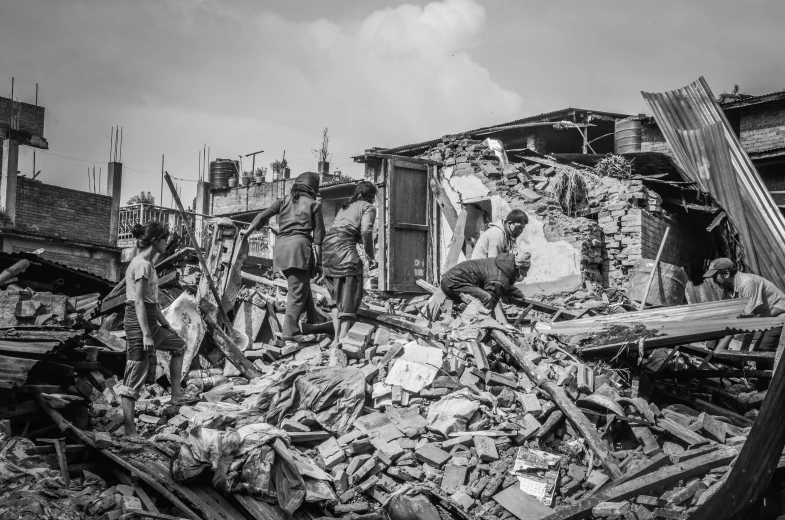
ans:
(500, 236)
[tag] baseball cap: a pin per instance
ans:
(720, 264)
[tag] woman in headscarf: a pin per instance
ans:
(343, 267)
(300, 226)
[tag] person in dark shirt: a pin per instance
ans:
(343, 267)
(300, 226)
(487, 279)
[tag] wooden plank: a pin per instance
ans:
(456, 244)
(229, 349)
(565, 404)
(689, 437)
(647, 484)
(258, 509)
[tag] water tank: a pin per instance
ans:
(221, 170)
(627, 136)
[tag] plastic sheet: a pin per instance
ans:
(335, 396)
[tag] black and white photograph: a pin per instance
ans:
(392, 260)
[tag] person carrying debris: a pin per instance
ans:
(300, 226)
(766, 299)
(343, 267)
(488, 279)
(500, 236)
(146, 328)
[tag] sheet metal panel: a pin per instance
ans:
(13, 371)
(709, 153)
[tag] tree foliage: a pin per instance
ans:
(142, 198)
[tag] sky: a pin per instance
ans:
(244, 75)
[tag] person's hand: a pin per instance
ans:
(319, 274)
(147, 341)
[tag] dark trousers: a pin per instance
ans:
(298, 300)
(454, 293)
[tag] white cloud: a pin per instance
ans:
(243, 77)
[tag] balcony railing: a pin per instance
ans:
(144, 213)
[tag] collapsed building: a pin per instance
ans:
(595, 399)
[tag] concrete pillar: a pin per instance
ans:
(202, 207)
(114, 183)
(9, 165)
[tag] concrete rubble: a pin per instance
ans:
(466, 417)
(554, 407)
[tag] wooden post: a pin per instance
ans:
(202, 263)
(559, 397)
(654, 270)
(61, 460)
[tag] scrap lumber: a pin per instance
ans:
(647, 484)
(654, 269)
(559, 397)
(205, 271)
(229, 349)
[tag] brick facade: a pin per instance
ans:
(763, 127)
(255, 197)
(30, 117)
(62, 212)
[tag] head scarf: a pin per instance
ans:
(307, 183)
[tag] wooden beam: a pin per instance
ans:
(650, 483)
(226, 345)
(565, 404)
(456, 244)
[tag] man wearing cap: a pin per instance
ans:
(500, 236)
(765, 298)
(487, 279)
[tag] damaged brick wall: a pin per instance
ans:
(763, 127)
(62, 212)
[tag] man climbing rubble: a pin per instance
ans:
(766, 299)
(488, 279)
(500, 236)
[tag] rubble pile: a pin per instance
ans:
(526, 413)
(610, 241)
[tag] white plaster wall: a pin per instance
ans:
(551, 261)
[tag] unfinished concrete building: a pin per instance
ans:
(73, 227)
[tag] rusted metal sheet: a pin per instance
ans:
(709, 153)
(13, 371)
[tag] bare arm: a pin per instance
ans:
(366, 231)
(141, 314)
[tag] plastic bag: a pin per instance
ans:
(453, 411)
(183, 315)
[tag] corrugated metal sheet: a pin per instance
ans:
(709, 153)
(28, 347)
(13, 370)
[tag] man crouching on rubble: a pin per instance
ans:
(766, 299)
(146, 328)
(500, 236)
(488, 279)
